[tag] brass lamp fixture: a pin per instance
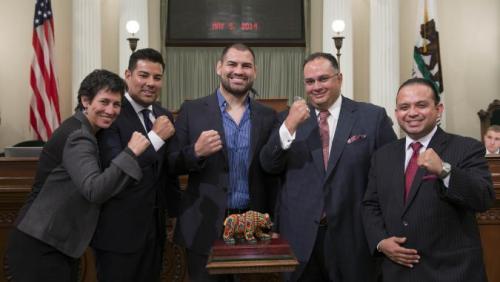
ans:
(132, 28)
(338, 27)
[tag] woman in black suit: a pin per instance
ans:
(57, 222)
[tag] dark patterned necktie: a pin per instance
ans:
(412, 168)
(324, 133)
(147, 121)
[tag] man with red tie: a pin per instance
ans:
(423, 193)
(323, 149)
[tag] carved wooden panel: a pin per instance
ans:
(489, 116)
(489, 226)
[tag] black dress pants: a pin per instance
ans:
(29, 259)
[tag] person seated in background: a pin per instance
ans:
(57, 222)
(492, 140)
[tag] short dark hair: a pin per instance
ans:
(238, 46)
(99, 80)
(147, 54)
(494, 128)
(326, 56)
(422, 81)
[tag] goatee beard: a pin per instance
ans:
(236, 92)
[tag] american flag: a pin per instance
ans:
(44, 106)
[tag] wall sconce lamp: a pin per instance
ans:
(132, 28)
(338, 27)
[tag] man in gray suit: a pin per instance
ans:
(424, 190)
(323, 150)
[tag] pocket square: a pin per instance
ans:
(429, 177)
(355, 138)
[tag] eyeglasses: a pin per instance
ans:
(322, 79)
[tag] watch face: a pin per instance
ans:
(446, 170)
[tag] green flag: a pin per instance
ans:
(426, 55)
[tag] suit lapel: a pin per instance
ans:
(399, 174)
(214, 114)
(345, 123)
(132, 117)
(309, 131)
(256, 120)
(438, 144)
(156, 111)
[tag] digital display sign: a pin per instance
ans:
(219, 22)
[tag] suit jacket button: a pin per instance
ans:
(405, 223)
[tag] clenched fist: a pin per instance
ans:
(163, 127)
(208, 143)
(138, 143)
(431, 161)
(298, 113)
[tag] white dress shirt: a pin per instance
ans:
(425, 142)
(286, 138)
(155, 140)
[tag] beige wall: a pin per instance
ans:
(361, 52)
(110, 10)
(16, 28)
(470, 55)
(316, 25)
(110, 21)
(470, 50)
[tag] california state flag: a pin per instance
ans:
(426, 55)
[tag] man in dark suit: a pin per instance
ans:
(217, 142)
(129, 238)
(323, 150)
(424, 190)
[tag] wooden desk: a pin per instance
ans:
(254, 262)
(16, 178)
(489, 226)
(17, 174)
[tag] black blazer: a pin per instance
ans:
(439, 222)
(126, 218)
(204, 202)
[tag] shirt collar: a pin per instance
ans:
(424, 140)
(137, 108)
(334, 108)
(491, 153)
(223, 103)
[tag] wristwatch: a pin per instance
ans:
(446, 170)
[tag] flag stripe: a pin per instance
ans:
(424, 71)
(38, 103)
(426, 54)
(44, 106)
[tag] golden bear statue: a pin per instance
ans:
(246, 225)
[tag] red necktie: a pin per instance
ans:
(324, 133)
(412, 167)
